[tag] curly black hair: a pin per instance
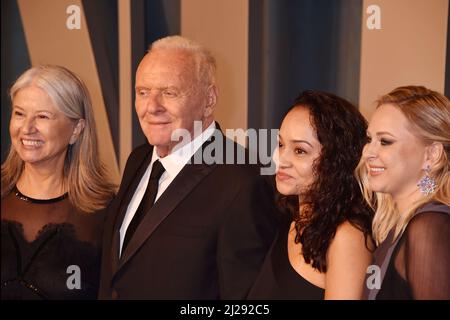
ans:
(334, 197)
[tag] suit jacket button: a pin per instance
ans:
(114, 295)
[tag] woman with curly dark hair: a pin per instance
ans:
(323, 247)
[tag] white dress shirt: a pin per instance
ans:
(173, 164)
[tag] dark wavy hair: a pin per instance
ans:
(334, 196)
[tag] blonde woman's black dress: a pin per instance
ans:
(417, 264)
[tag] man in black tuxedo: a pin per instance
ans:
(179, 229)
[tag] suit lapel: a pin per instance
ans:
(131, 181)
(182, 185)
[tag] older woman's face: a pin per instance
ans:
(40, 133)
(394, 157)
(298, 148)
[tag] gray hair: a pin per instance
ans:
(64, 88)
(88, 185)
(205, 63)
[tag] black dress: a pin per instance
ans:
(277, 279)
(49, 250)
(417, 265)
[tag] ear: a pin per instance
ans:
(211, 99)
(433, 153)
(79, 127)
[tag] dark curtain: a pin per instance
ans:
(299, 45)
(102, 21)
(151, 20)
(15, 60)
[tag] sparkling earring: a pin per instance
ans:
(427, 184)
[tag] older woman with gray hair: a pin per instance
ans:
(53, 188)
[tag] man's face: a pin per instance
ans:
(169, 96)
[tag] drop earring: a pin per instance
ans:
(427, 185)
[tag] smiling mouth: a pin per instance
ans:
(376, 170)
(32, 143)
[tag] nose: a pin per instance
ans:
(154, 103)
(29, 125)
(369, 151)
(283, 158)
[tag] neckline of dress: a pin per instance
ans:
(25, 198)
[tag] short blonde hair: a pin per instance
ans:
(428, 113)
(205, 63)
(88, 184)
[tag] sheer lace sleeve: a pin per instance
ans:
(427, 256)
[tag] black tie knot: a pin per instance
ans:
(157, 170)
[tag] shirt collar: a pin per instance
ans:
(176, 160)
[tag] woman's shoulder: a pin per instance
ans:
(348, 230)
(428, 228)
(95, 217)
(428, 216)
(88, 225)
(428, 219)
(427, 238)
(348, 237)
(433, 206)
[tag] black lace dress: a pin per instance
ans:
(49, 250)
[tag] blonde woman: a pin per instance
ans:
(405, 175)
(53, 190)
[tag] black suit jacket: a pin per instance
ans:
(205, 237)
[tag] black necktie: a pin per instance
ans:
(146, 202)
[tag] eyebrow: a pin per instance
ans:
(384, 132)
(143, 87)
(41, 110)
(303, 141)
(297, 141)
